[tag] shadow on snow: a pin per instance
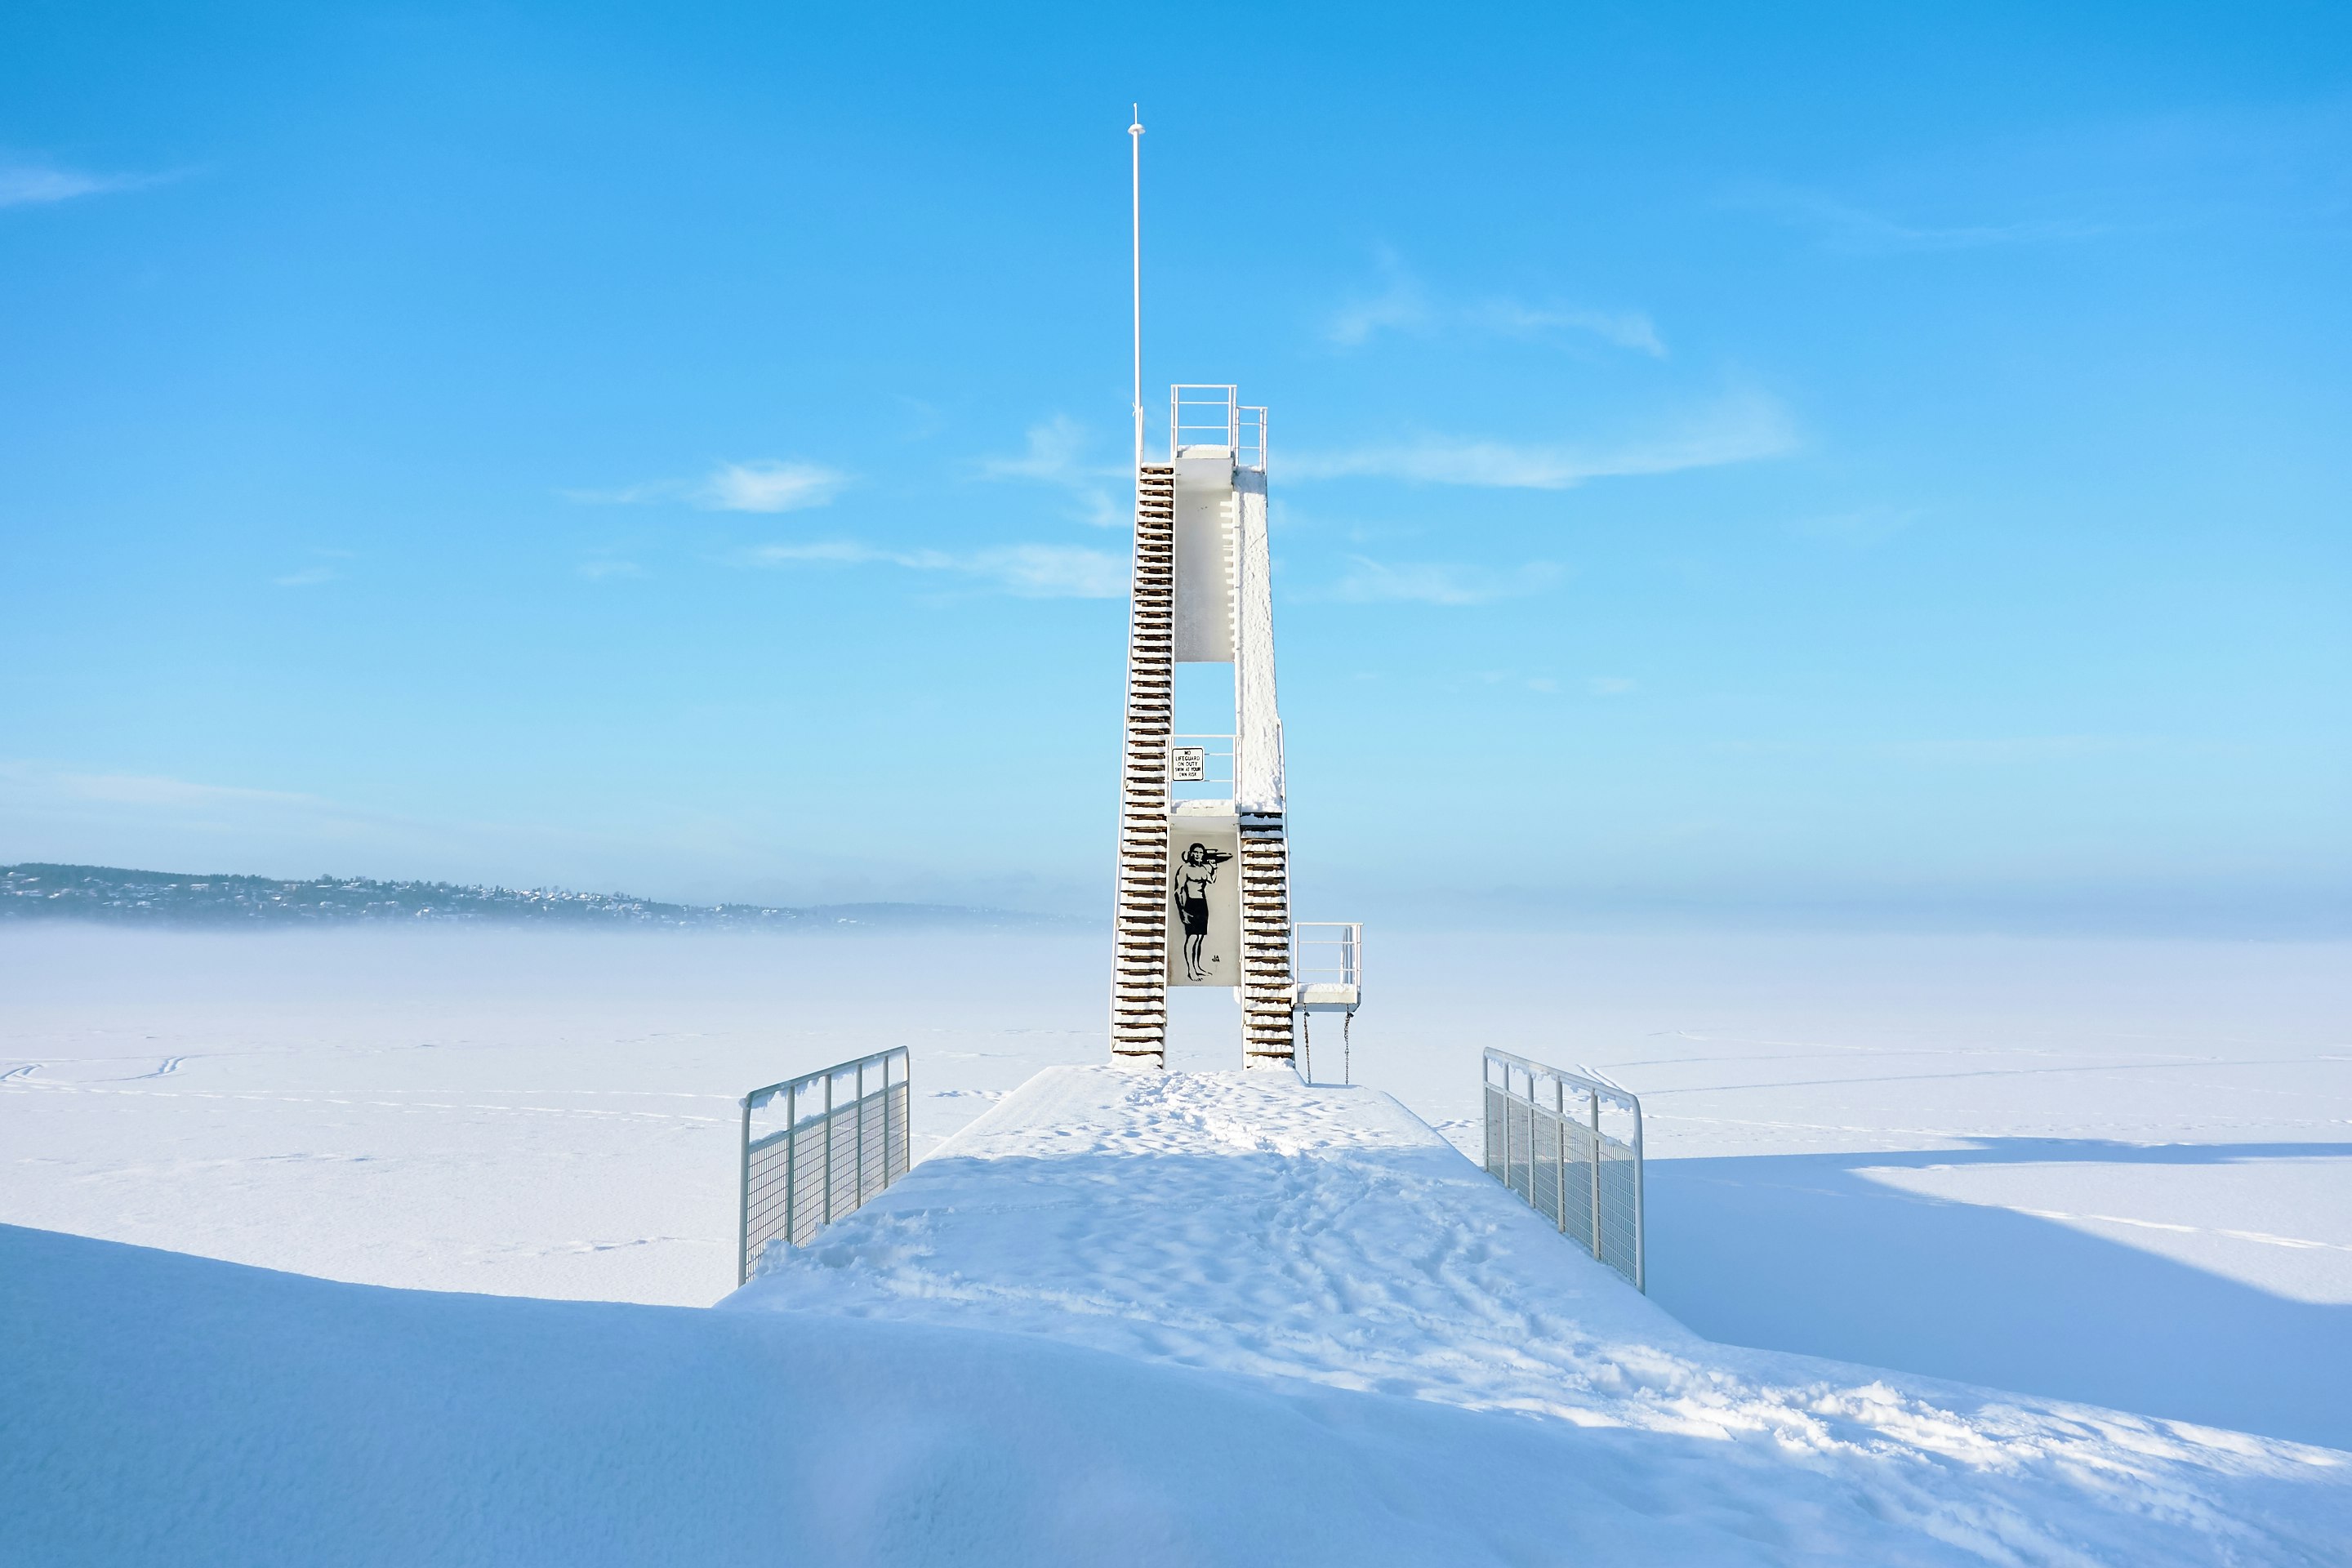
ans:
(1806, 1253)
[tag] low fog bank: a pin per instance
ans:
(2316, 908)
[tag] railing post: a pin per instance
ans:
(1510, 1094)
(743, 1224)
(1641, 1223)
(906, 1132)
(1505, 1173)
(1506, 1127)
(1559, 1156)
(1487, 1093)
(792, 1165)
(828, 1148)
(1595, 1096)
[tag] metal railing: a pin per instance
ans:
(824, 1154)
(1200, 767)
(1206, 416)
(1326, 971)
(1545, 1140)
(1328, 953)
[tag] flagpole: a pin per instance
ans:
(1135, 147)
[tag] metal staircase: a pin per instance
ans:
(1269, 993)
(1139, 1009)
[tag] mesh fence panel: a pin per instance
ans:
(1576, 1214)
(808, 1181)
(1546, 1165)
(1621, 1207)
(896, 1150)
(818, 1147)
(1542, 1142)
(764, 1219)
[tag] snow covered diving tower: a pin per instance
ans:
(1203, 893)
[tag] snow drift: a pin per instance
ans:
(1212, 1318)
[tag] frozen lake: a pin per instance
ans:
(2113, 1172)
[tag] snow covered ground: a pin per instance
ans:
(2118, 1172)
(523, 1113)
(1184, 1319)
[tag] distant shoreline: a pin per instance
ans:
(114, 895)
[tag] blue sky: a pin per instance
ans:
(1862, 463)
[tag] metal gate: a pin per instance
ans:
(817, 1146)
(1546, 1141)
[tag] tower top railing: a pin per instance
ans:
(1205, 418)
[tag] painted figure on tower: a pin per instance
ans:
(1191, 885)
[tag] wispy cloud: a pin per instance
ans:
(323, 569)
(598, 570)
(1370, 582)
(1741, 429)
(145, 789)
(1051, 454)
(1841, 226)
(1025, 571)
(1056, 456)
(1398, 302)
(33, 184)
(1401, 303)
(1863, 526)
(628, 495)
(769, 485)
(1542, 684)
(1611, 685)
(1626, 328)
(1995, 752)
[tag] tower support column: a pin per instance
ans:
(1138, 1007)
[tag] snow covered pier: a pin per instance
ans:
(1240, 1220)
(1293, 1240)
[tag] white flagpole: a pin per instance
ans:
(1135, 143)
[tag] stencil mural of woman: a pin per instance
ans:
(1190, 887)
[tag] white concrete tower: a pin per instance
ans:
(1203, 859)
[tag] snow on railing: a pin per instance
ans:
(1545, 1142)
(824, 1154)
